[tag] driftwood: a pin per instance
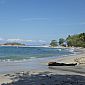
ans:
(61, 64)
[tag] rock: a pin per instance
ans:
(80, 60)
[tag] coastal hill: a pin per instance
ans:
(76, 40)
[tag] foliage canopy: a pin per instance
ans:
(61, 41)
(53, 43)
(77, 40)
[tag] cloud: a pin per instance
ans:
(25, 40)
(18, 40)
(41, 41)
(83, 23)
(1, 39)
(14, 40)
(67, 24)
(28, 40)
(34, 19)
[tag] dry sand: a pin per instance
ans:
(4, 79)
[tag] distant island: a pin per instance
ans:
(12, 44)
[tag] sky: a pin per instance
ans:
(40, 20)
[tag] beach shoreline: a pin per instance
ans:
(77, 70)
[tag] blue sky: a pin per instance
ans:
(41, 20)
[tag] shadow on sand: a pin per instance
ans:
(46, 78)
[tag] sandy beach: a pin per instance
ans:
(7, 77)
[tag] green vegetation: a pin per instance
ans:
(61, 41)
(53, 43)
(13, 43)
(77, 40)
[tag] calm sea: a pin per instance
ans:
(22, 53)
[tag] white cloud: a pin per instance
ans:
(23, 41)
(13, 40)
(34, 19)
(83, 23)
(67, 24)
(27, 40)
(41, 41)
(1, 39)
(19, 40)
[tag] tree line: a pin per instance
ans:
(77, 40)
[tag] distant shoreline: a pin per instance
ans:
(38, 46)
(21, 46)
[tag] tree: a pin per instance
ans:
(77, 40)
(82, 36)
(61, 41)
(53, 43)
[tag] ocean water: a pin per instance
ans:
(24, 53)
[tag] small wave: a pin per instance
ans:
(32, 57)
(71, 49)
(4, 60)
(17, 60)
(11, 60)
(59, 49)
